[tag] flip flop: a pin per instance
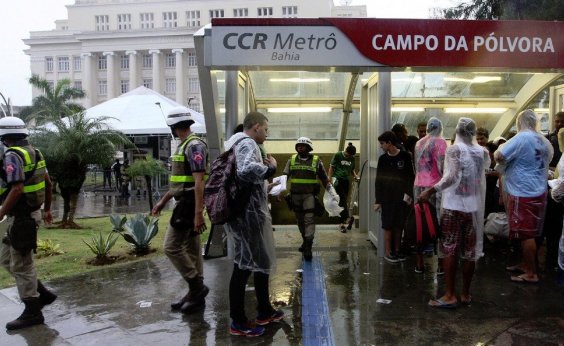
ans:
(439, 303)
(523, 279)
(514, 269)
(466, 302)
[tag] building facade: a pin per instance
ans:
(108, 47)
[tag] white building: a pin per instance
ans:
(108, 47)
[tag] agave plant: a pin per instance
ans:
(139, 230)
(101, 246)
(117, 222)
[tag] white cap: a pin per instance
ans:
(177, 115)
(12, 126)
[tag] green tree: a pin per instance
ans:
(56, 101)
(147, 168)
(70, 145)
(504, 9)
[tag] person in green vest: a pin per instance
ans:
(342, 168)
(27, 187)
(305, 172)
(182, 239)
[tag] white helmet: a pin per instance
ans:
(306, 141)
(177, 115)
(12, 126)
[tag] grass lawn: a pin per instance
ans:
(77, 255)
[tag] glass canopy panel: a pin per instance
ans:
(299, 85)
(457, 84)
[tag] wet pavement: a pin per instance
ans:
(129, 304)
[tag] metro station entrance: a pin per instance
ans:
(339, 80)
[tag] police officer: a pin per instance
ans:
(27, 187)
(305, 171)
(182, 239)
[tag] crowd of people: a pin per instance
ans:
(461, 184)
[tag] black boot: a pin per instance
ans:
(177, 304)
(301, 249)
(31, 315)
(307, 249)
(198, 293)
(46, 297)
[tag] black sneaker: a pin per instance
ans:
(391, 258)
(401, 257)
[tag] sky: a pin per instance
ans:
(19, 17)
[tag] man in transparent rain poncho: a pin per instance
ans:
(463, 188)
(429, 161)
(250, 238)
(525, 159)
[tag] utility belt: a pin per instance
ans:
(22, 234)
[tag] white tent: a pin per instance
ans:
(141, 111)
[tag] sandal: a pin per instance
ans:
(440, 303)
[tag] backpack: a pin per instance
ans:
(225, 196)
(422, 226)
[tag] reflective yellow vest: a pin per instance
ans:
(34, 185)
(181, 179)
(303, 175)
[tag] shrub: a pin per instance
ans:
(101, 246)
(47, 247)
(139, 230)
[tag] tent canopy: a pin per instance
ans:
(142, 111)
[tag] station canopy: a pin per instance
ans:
(305, 103)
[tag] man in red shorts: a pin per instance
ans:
(526, 157)
(463, 188)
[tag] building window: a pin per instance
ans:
(193, 85)
(170, 85)
(102, 62)
(147, 61)
(147, 20)
(77, 84)
(63, 63)
(195, 105)
(192, 59)
(290, 11)
(148, 83)
(264, 12)
(240, 12)
(102, 87)
(169, 20)
(124, 86)
(76, 63)
(48, 64)
(170, 61)
(102, 23)
(124, 62)
(124, 21)
(217, 14)
(193, 19)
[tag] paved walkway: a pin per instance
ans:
(129, 304)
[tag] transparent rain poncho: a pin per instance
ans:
(525, 158)
(463, 184)
(430, 155)
(250, 238)
(558, 193)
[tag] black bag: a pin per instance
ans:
(182, 218)
(23, 234)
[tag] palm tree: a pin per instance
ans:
(70, 145)
(56, 101)
(147, 168)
